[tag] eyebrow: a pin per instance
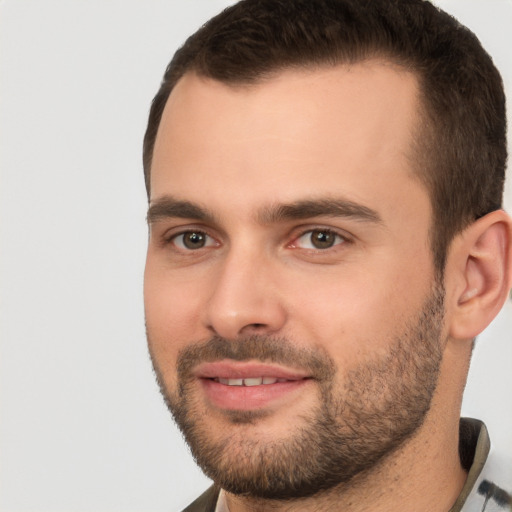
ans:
(169, 207)
(319, 208)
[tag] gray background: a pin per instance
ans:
(82, 425)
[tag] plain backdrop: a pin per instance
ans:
(82, 425)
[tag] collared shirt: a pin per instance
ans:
(483, 491)
(488, 487)
(222, 505)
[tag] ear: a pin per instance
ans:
(480, 274)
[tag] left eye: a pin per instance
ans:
(193, 240)
(319, 239)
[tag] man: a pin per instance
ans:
(326, 241)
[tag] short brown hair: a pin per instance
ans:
(460, 147)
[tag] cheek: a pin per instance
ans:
(171, 321)
(357, 314)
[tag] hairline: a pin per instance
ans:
(378, 55)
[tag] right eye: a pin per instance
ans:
(192, 240)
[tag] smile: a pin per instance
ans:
(249, 385)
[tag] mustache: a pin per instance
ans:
(315, 361)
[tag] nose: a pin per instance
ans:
(245, 297)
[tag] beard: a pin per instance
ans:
(354, 425)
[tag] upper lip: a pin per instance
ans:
(227, 369)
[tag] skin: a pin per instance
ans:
(239, 151)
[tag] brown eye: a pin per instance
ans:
(322, 239)
(192, 240)
(319, 239)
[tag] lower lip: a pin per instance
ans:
(246, 398)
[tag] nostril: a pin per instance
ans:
(255, 328)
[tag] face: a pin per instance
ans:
(292, 315)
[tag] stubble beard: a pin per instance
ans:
(355, 425)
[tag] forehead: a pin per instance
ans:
(344, 130)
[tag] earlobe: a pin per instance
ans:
(484, 263)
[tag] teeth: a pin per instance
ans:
(252, 381)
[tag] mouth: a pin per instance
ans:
(234, 385)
